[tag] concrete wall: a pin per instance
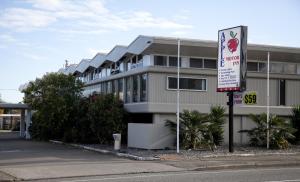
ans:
(149, 136)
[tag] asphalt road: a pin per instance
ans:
(29, 160)
(291, 174)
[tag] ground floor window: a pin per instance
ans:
(198, 84)
(141, 118)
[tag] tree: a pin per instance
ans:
(54, 97)
(279, 130)
(107, 116)
(295, 120)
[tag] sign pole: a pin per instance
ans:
(230, 104)
(268, 100)
(177, 113)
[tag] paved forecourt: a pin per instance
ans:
(29, 160)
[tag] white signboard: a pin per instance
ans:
(232, 57)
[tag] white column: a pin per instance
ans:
(268, 100)
(22, 123)
(28, 123)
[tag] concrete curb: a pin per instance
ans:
(249, 155)
(244, 166)
(119, 154)
(135, 157)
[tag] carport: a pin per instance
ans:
(25, 117)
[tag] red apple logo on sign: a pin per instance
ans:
(233, 43)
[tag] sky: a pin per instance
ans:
(37, 36)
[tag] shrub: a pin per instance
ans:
(194, 130)
(295, 120)
(54, 98)
(217, 120)
(279, 131)
(106, 114)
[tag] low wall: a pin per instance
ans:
(150, 136)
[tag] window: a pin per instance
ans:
(196, 63)
(135, 81)
(252, 66)
(160, 60)
(121, 67)
(109, 86)
(128, 66)
(276, 67)
(140, 57)
(282, 92)
(120, 89)
(262, 67)
(210, 63)
(104, 87)
(128, 90)
(143, 88)
(91, 76)
(141, 118)
(289, 68)
(173, 61)
(114, 87)
(187, 83)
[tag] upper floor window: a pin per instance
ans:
(198, 84)
(160, 60)
(196, 62)
(173, 61)
(210, 63)
(252, 66)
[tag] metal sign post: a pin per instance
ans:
(230, 105)
(232, 67)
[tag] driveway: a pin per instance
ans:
(27, 160)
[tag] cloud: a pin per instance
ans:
(9, 39)
(179, 33)
(22, 19)
(81, 17)
(34, 57)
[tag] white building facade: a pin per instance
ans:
(144, 75)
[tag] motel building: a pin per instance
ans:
(144, 75)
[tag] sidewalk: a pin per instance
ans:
(205, 160)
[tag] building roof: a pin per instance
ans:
(97, 60)
(152, 44)
(13, 106)
(70, 69)
(82, 66)
(116, 53)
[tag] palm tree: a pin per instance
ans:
(279, 130)
(216, 117)
(296, 122)
(194, 130)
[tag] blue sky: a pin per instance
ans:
(36, 36)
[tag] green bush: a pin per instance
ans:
(107, 116)
(54, 98)
(199, 130)
(279, 131)
(217, 120)
(295, 120)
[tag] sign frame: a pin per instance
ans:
(241, 69)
